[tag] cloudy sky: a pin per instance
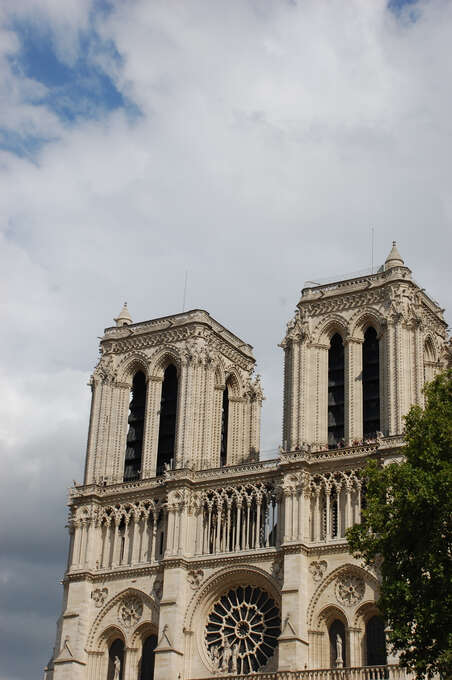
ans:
(252, 144)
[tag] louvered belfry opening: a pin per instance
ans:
(336, 385)
(168, 412)
(224, 427)
(371, 383)
(134, 448)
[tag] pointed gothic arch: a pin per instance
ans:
(430, 359)
(132, 364)
(363, 319)
(107, 621)
(334, 324)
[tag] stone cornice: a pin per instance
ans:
(172, 328)
(117, 573)
(274, 470)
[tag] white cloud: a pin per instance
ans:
(272, 136)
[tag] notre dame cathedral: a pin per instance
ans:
(192, 558)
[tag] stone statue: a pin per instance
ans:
(235, 658)
(117, 667)
(227, 653)
(214, 653)
(339, 659)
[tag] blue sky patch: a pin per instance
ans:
(398, 5)
(82, 90)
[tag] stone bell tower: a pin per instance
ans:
(171, 397)
(357, 355)
(210, 371)
(192, 559)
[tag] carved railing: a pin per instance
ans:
(357, 673)
(364, 449)
(240, 517)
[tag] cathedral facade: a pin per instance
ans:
(191, 558)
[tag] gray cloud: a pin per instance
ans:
(270, 139)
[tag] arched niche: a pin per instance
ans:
(116, 660)
(337, 639)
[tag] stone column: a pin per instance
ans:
(185, 414)
(418, 362)
(71, 546)
(207, 442)
(77, 541)
(287, 515)
(294, 391)
(321, 403)
(348, 506)
(92, 543)
(354, 654)
(135, 538)
(255, 424)
(212, 457)
(131, 660)
(117, 443)
(169, 654)
(317, 516)
(292, 643)
(353, 390)
(399, 375)
(328, 513)
(151, 426)
(389, 397)
(288, 394)
(96, 389)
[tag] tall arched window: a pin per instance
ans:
(116, 659)
(335, 392)
(375, 642)
(338, 656)
(371, 383)
(429, 361)
(148, 658)
(224, 427)
(168, 412)
(134, 448)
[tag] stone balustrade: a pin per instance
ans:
(358, 673)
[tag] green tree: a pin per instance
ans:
(407, 521)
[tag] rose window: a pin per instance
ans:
(242, 630)
(130, 610)
(349, 589)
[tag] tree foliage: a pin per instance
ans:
(408, 522)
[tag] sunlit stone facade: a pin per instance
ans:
(192, 558)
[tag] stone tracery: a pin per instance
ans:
(242, 630)
(239, 518)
